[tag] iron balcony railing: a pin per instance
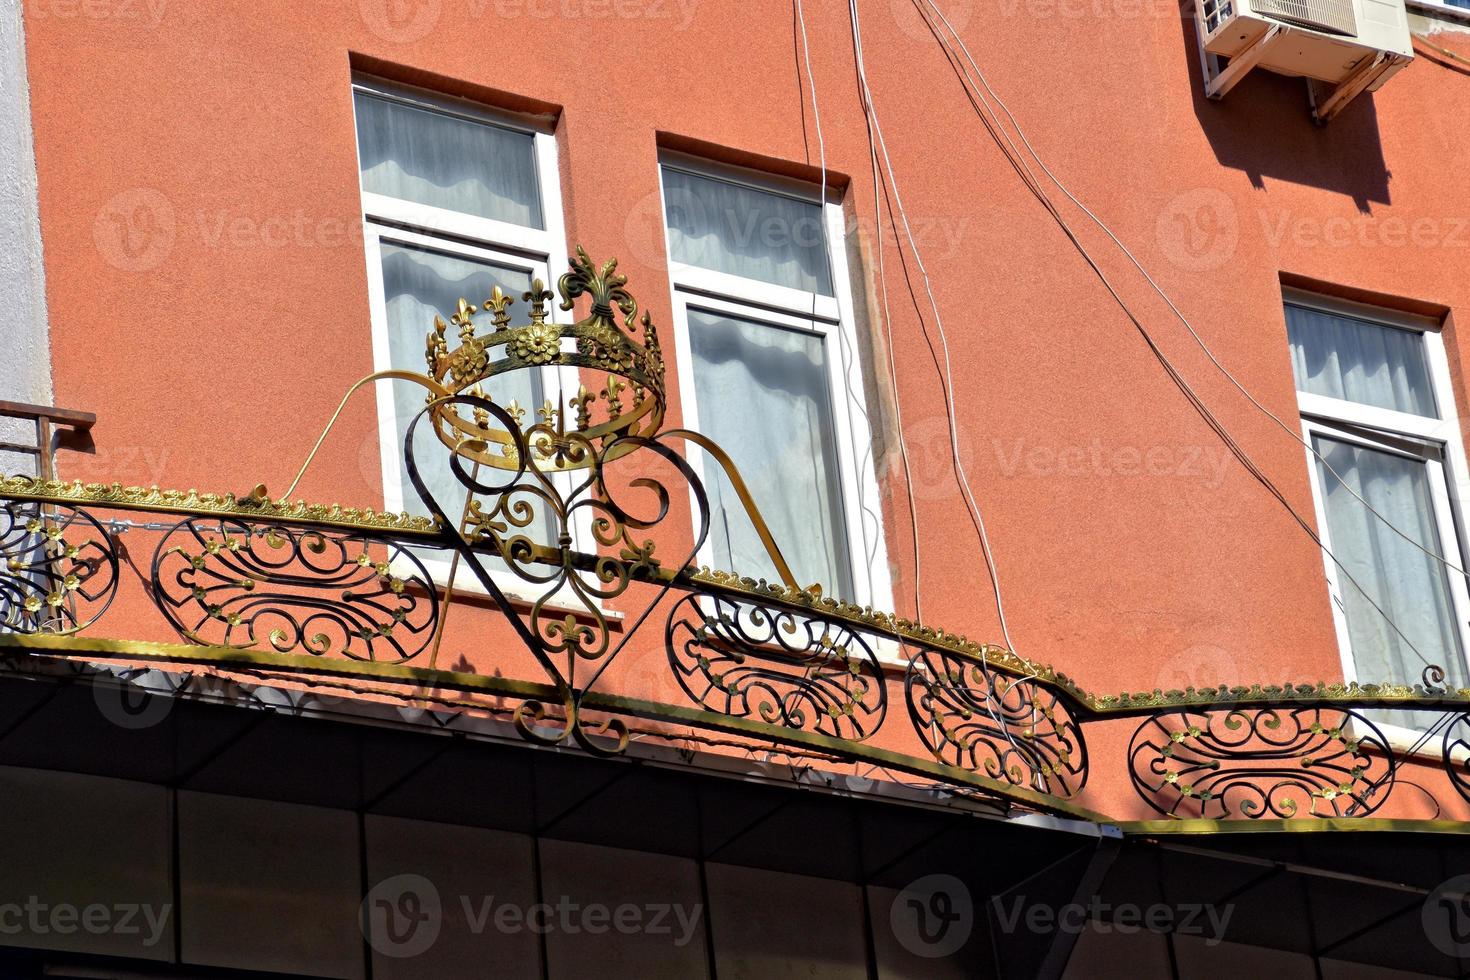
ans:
(336, 596)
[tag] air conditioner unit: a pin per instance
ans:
(1357, 43)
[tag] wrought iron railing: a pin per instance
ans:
(297, 589)
(335, 594)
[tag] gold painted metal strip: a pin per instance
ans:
(91, 648)
(1296, 825)
(192, 503)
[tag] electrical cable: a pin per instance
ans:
(1196, 402)
(947, 371)
(1182, 318)
(875, 129)
(1446, 52)
(851, 391)
(1173, 307)
(893, 384)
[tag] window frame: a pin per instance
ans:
(1439, 7)
(541, 253)
(1376, 428)
(831, 318)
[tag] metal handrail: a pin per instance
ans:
(44, 417)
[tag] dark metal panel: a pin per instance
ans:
(644, 809)
(291, 760)
(472, 783)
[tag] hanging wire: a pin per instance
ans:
(852, 394)
(1173, 307)
(946, 372)
(992, 124)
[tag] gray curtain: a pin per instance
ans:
(417, 284)
(731, 228)
(1358, 361)
(1411, 587)
(447, 161)
(764, 397)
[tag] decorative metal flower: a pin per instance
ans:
(537, 344)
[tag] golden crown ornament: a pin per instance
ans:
(626, 397)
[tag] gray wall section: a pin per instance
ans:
(25, 349)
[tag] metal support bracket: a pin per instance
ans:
(1354, 85)
(1218, 83)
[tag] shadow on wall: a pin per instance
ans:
(1264, 127)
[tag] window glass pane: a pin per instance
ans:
(1358, 361)
(1410, 586)
(732, 228)
(417, 285)
(763, 396)
(446, 161)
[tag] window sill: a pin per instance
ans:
(1401, 740)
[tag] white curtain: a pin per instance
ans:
(1411, 587)
(446, 161)
(763, 396)
(1358, 361)
(731, 228)
(417, 284)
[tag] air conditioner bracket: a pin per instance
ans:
(1219, 81)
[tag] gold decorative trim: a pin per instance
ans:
(893, 626)
(562, 432)
(1223, 697)
(1295, 825)
(187, 503)
(1272, 695)
(304, 668)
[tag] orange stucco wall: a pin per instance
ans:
(215, 338)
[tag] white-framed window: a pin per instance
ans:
(1453, 8)
(457, 199)
(1378, 412)
(769, 367)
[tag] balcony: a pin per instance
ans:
(338, 600)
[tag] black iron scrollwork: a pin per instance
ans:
(1010, 728)
(1261, 762)
(740, 657)
(58, 568)
(297, 589)
(566, 477)
(1456, 749)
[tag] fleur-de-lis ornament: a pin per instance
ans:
(604, 285)
(538, 298)
(436, 349)
(498, 305)
(613, 394)
(582, 405)
(464, 319)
